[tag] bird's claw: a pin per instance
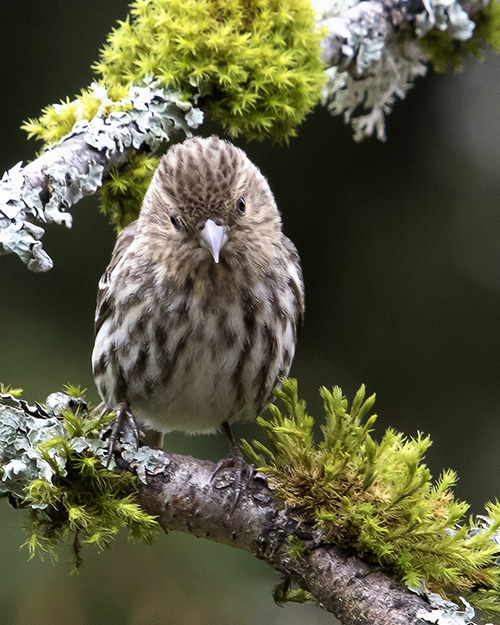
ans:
(242, 473)
(124, 417)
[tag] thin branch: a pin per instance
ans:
(357, 36)
(43, 190)
(374, 54)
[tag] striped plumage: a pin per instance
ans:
(183, 340)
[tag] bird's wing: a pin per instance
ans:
(104, 302)
(296, 283)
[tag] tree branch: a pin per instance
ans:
(357, 36)
(372, 53)
(178, 490)
(43, 190)
(184, 499)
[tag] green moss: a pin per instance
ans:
(378, 498)
(296, 547)
(285, 592)
(259, 60)
(121, 194)
(448, 54)
(57, 120)
(488, 25)
(7, 389)
(74, 390)
(83, 501)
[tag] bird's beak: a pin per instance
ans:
(213, 238)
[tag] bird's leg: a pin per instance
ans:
(242, 470)
(123, 418)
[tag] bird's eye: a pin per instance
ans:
(241, 205)
(175, 222)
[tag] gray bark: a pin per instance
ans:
(184, 499)
(180, 492)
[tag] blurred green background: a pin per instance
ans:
(399, 244)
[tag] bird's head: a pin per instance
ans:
(208, 200)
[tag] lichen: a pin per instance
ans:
(448, 53)
(446, 16)
(254, 67)
(57, 120)
(394, 73)
(144, 117)
(53, 462)
(443, 612)
(140, 115)
(383, 69)
(375, 69)
(379, 498)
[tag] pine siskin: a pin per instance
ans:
(198, 310)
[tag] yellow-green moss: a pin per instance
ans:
(8, 389)
(121, 194)
(82, 501)
(488, 25)
(57, 120)
(259, 60)
(254, 66)
(378, 498)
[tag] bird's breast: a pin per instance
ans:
(213, 355)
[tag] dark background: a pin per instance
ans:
(399, 244)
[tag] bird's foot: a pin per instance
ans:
(242, 471)
(124, 418)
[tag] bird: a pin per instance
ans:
(199, 308)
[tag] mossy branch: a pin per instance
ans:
(352, 521)
(258, 68)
